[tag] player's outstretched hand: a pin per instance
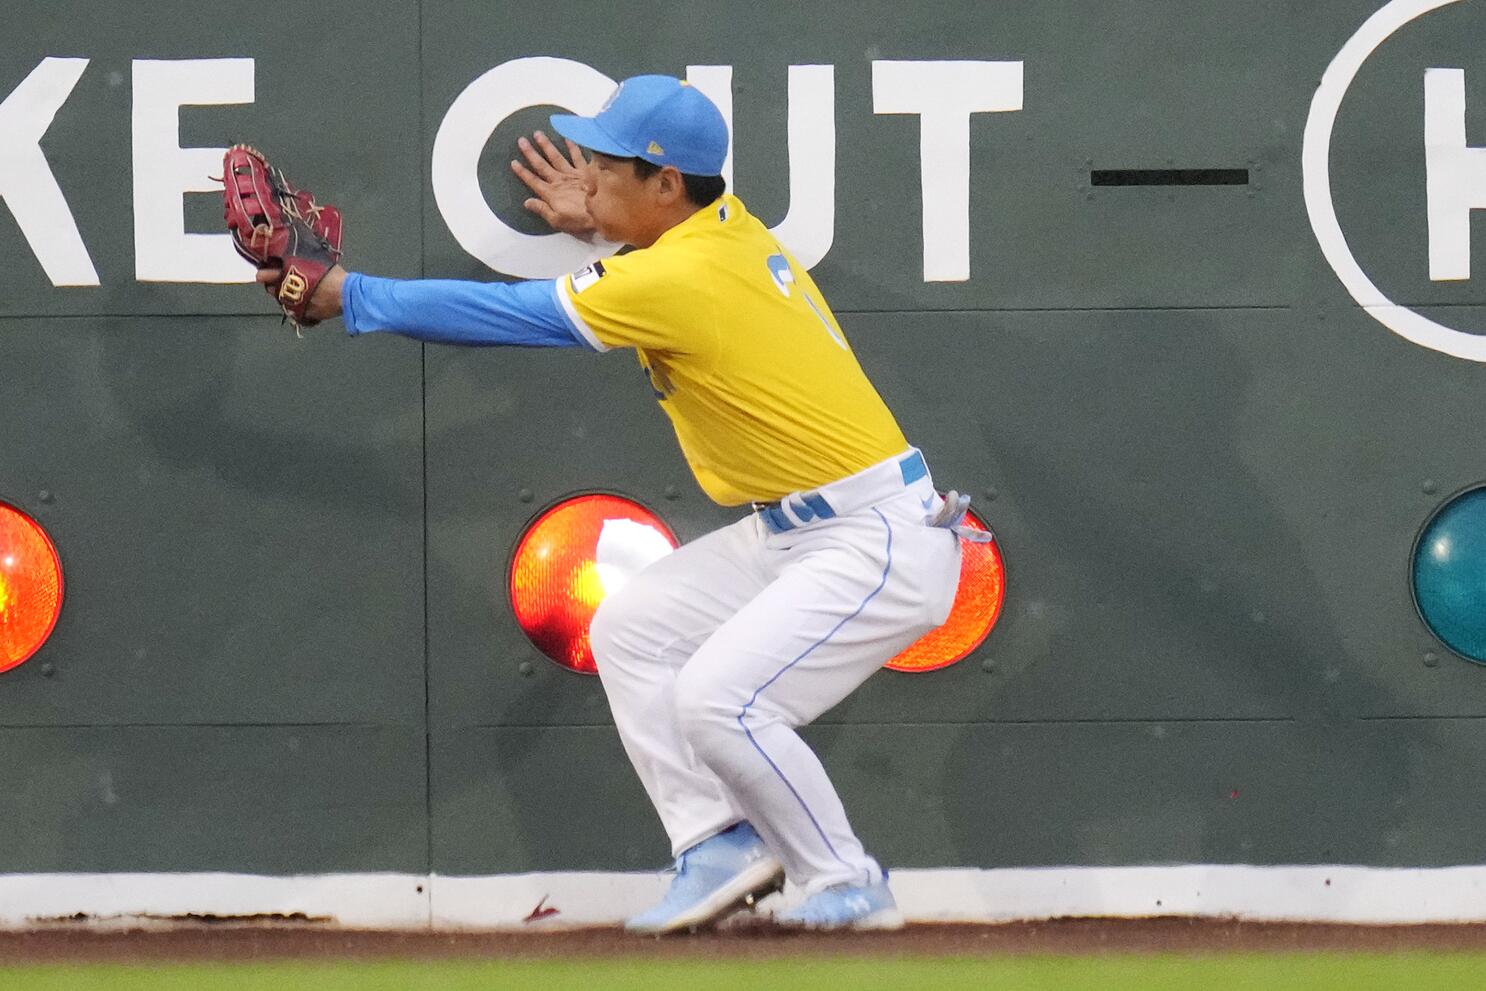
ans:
(325, 301)
(561, 191)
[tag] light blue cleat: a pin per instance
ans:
(719, 875)
(846, 906)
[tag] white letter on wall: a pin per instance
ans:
(26, 181)
(944, 95)
(471, 120)
(1455, 175)
(164, 171)
(809, 226)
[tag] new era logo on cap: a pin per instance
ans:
(655, 149)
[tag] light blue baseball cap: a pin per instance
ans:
(662, 119)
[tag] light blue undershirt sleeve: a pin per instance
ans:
(525, 314)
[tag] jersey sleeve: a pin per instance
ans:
(525, 314)
(639, 300)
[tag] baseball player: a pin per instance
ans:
(712, 656)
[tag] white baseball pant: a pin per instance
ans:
(713, 655)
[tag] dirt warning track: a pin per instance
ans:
(291, 941)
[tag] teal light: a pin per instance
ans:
(1450, 574)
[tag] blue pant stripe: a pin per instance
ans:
(743, 715)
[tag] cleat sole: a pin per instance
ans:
(747, 886)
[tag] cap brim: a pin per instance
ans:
(586, 133)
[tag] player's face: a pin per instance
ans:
(622, 205)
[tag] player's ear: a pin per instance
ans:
(672, 187)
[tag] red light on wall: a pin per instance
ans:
(976, 609)
(30, 587)
(570, 557)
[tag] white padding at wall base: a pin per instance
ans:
(557, 900)
(353, 901)
(1366, 895)
(542, 901)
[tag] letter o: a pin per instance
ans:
(463, 133)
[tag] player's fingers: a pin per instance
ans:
(269, 276)
(576, 154)
(534, 182)
(538, 164)
(554, 156)
(541, 209)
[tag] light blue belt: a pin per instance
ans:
(811, 506)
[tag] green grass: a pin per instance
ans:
(1349, 972)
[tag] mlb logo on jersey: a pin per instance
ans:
(587, 276)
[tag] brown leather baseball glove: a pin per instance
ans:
(274, 225)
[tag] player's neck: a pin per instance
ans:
(663, 220)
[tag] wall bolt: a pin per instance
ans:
(526, 495)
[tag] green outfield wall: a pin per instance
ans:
(286, 646)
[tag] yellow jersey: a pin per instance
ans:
(761, 387)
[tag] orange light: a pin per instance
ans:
(570, 557)
(30, 587)
(976, 609)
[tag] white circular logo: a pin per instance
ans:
(1315, 161)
